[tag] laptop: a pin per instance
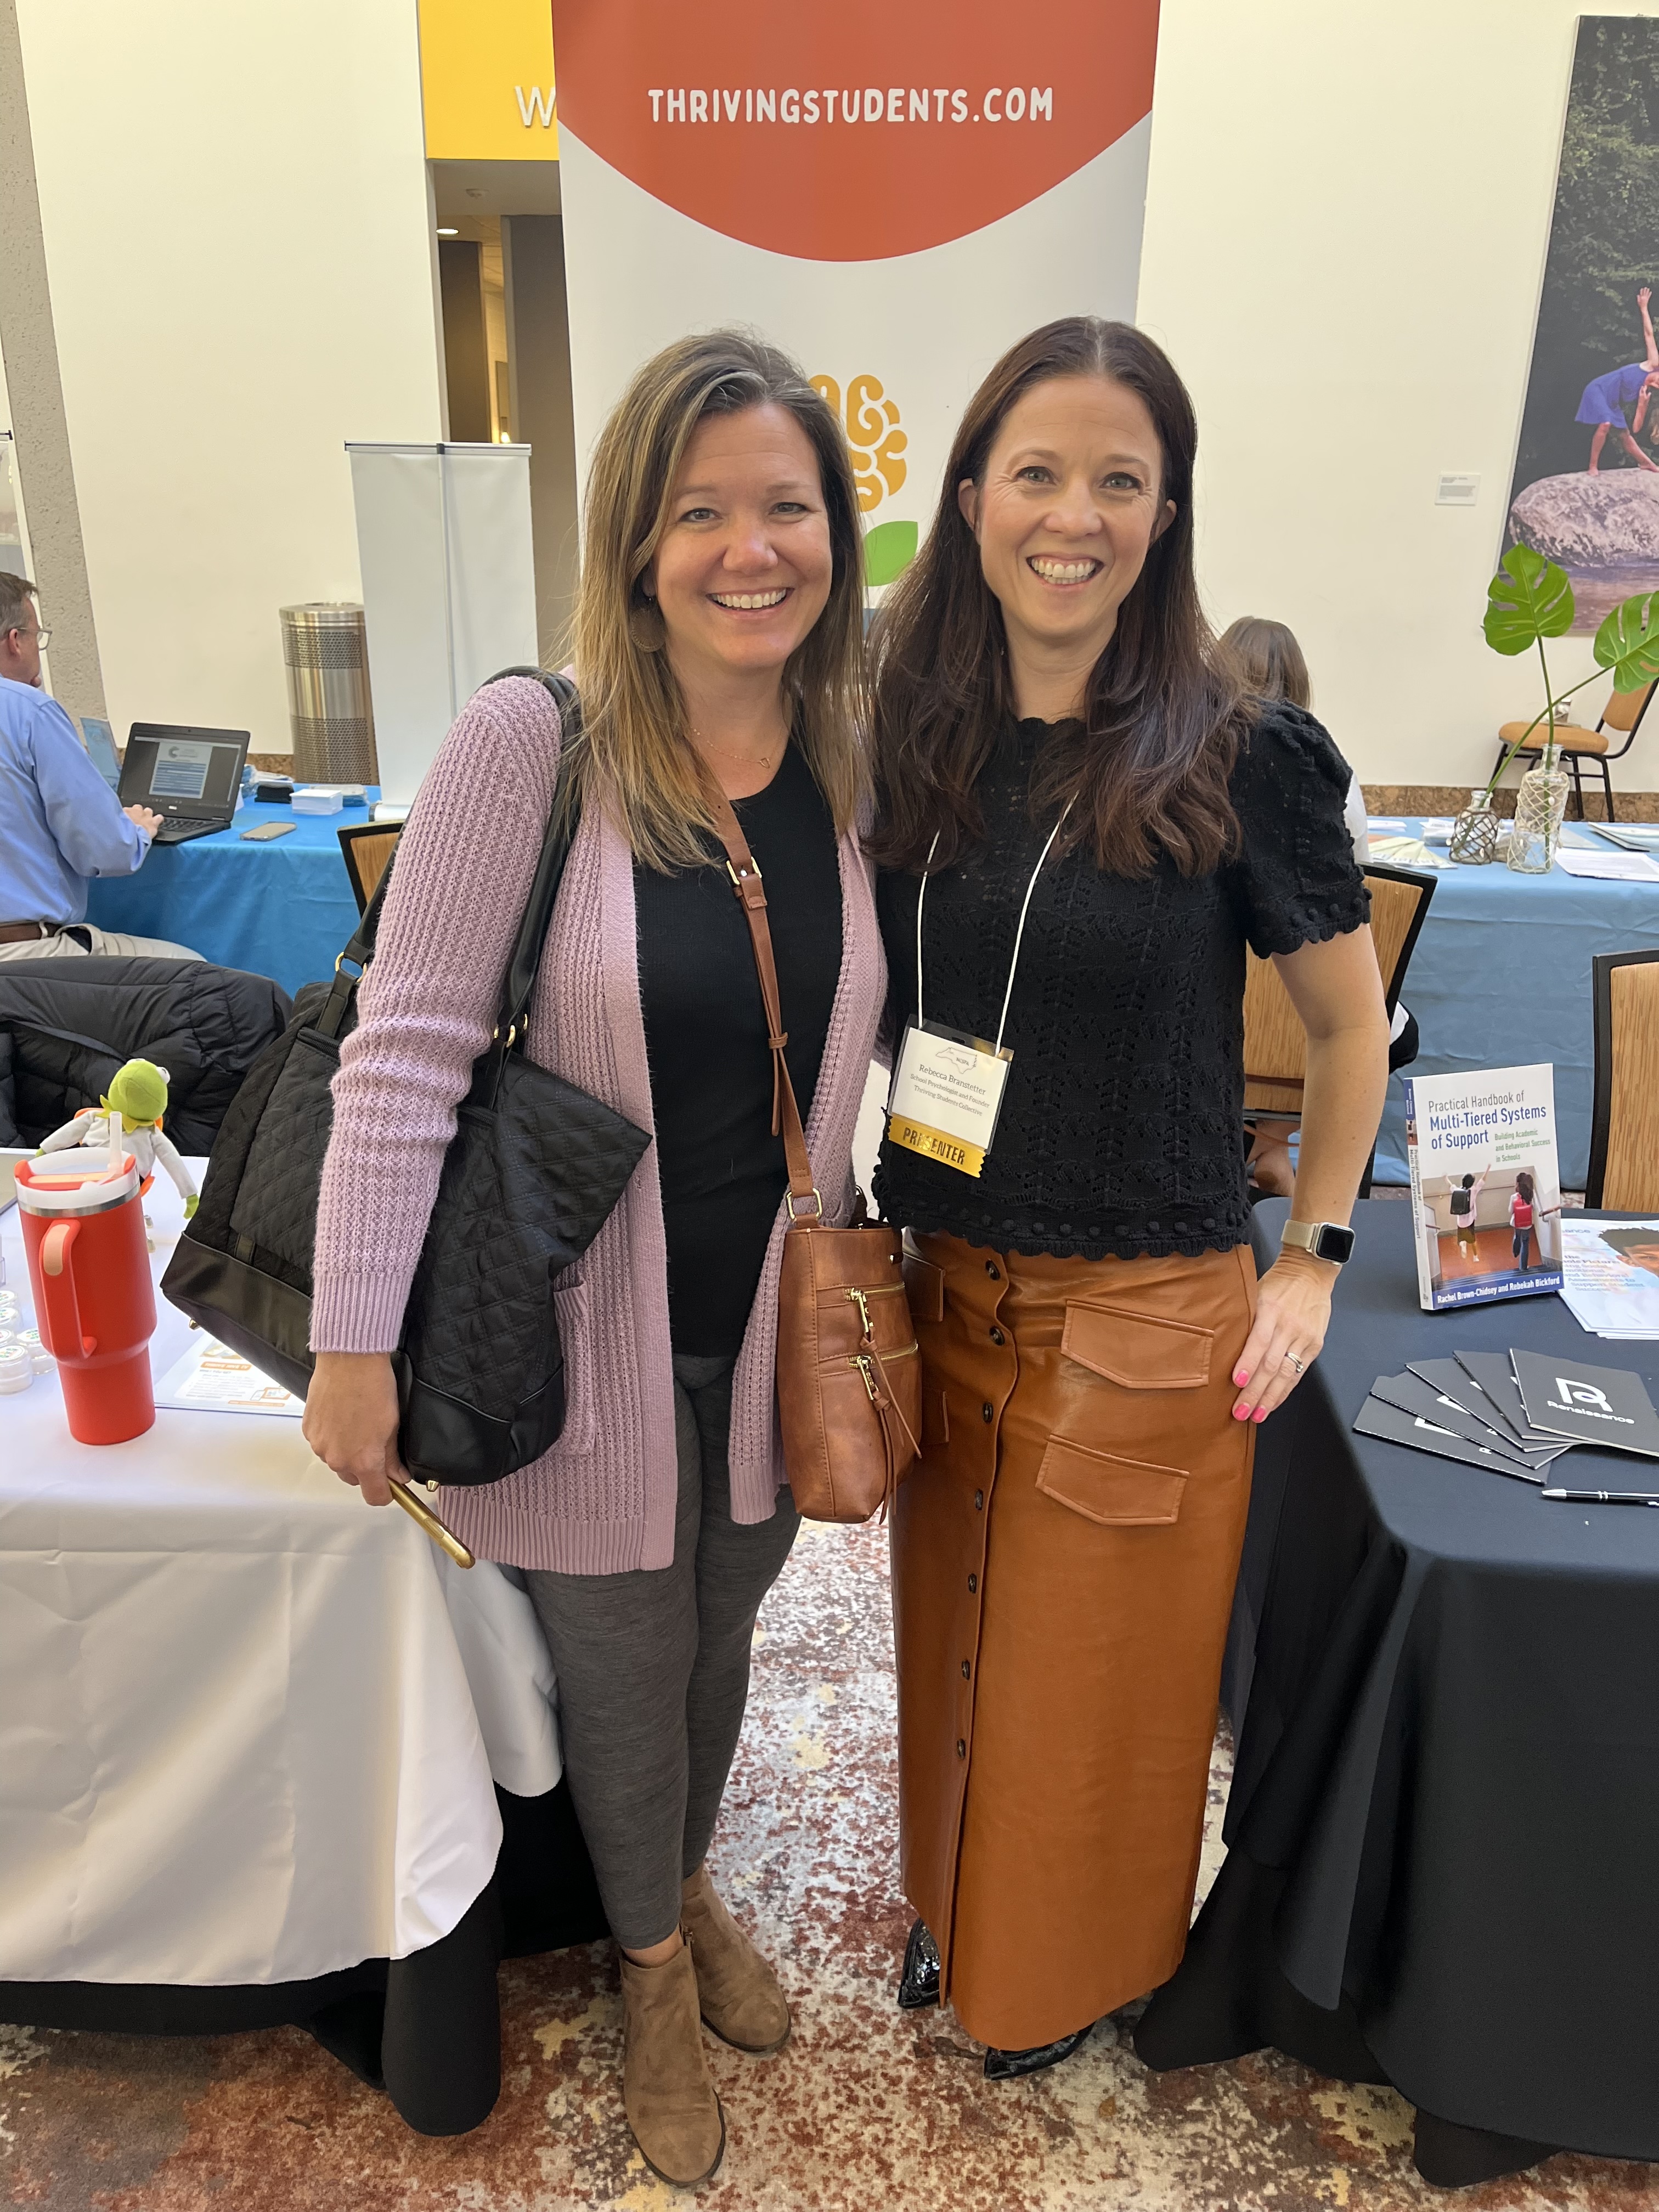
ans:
(101, 749)
(190, 777)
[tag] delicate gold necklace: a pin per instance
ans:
(752, 760)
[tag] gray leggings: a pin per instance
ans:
(653, 1672)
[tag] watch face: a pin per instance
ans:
(1334, 1243)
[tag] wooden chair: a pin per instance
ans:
(1623, 711)
(366, 848)
(1624, 1154)
(1275, 1042)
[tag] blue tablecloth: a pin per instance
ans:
(1501, 978)
(282, 909)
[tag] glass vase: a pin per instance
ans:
(1540, 804)
(1474, 833)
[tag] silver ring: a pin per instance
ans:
(1294, 1361)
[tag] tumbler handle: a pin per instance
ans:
(57, 1281)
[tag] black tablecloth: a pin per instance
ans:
(1444, 1829)
(426, 2028)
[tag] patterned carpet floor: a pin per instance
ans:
(866, 2109)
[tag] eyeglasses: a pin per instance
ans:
(42, 637)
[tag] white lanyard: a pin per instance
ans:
(947, 1087)
(1019, 933)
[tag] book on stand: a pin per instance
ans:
(1486, 1188)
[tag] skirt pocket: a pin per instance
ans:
(1104, 1487)
(1137, 1350)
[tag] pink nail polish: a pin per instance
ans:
(1242, 1378)
(1261, 1413)
(1241, 1412)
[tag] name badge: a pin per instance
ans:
(946, 1095)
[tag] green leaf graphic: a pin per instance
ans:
(1529, 598)
(888, 551)
(1628, 643)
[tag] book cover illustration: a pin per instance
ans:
(1486, 1188)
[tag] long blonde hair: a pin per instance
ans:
(635, 754)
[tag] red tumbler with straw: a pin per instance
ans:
(94, 1303)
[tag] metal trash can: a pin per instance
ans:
(325, 655)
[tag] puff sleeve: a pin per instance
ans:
(1295, 880)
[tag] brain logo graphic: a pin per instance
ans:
(877, 448)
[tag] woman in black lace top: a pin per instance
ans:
(1083, 825)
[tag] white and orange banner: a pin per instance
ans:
(893, 193)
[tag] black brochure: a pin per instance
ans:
(1413, 1395)
(1376, 1418)
(1446, 1376)
(1491, 1372)
(1604, 1406)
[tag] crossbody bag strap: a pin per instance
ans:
(750, 889)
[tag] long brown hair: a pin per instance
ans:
(636, 750)
(1268, 659)
(1147, 767)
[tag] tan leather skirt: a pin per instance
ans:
(1064, 1555)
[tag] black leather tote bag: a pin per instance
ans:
(533, 1169)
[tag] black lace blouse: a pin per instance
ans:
(1121, 1124)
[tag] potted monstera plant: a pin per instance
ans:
(1529, 600)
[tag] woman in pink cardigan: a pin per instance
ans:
(718, 643)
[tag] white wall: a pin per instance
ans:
(1345, 225)
(234, 204)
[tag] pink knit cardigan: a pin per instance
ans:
(602, 1500)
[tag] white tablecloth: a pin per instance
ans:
(247, 1726)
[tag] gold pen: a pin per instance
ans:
(423, 1517)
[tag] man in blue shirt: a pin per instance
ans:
(59, 821)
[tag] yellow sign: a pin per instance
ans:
(487, 82)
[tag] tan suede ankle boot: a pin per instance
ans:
(738, 1992)
(668, 2093)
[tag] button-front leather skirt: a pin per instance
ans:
(1064, 1555)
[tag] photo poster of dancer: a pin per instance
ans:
(1586, 487)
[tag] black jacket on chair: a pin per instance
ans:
(66, 1025)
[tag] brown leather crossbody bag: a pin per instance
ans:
(849, 1379)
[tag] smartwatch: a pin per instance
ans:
(1326, 1240)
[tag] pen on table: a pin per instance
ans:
(1601, 1497)
(424, 1517)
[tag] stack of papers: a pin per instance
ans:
(1516, 1415)
(211, 1378)
(1608, 867)
(1610, 1275)
(1412, 852)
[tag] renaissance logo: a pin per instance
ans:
(1585, 1398)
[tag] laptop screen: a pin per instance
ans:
(101, 749)
(176, 770)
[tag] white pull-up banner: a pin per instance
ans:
(892, 192)
(449, 588)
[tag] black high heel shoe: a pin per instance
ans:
(919, 1984)
(1009, 2065)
